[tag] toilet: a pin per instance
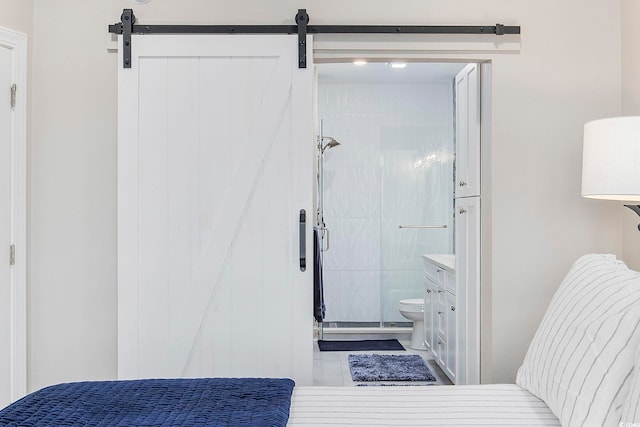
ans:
(413, 309)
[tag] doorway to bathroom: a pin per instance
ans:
(386, 191)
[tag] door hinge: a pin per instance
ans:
(12, 255)
(13, 95)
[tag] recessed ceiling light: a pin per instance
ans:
(359, 62)
(141, 1)
(398, 64)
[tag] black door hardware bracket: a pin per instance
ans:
(127, 26)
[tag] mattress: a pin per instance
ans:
(484, 405)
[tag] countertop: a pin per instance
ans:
(446, 261)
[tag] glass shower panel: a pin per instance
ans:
(351, 266)
(417, 192)
(394, 167)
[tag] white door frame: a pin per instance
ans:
(437, 48)
(17, 43)
(480, 49)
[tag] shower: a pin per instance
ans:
(322, 147)
(395, 168)
(332, 143)
(321, 226)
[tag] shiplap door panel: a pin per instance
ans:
(215, 141)
(467, 91)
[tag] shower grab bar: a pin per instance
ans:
(422, 226)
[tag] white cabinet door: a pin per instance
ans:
(467, 93)
(440, 353)
(452, 354)
(215, 148)
(441, 314)
(430, 292)
(467, 231)
(441, 326)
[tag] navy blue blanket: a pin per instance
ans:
(163, 402)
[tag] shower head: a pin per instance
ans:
(332, 143)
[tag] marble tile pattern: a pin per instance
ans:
(394, 167)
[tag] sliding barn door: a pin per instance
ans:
(215, 140)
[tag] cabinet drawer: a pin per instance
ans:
(435, 273)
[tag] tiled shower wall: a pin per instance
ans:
(394, 167)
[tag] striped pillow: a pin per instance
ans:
(580, 359)
(631, 408)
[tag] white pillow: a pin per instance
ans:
(631, 408)
(580, 359)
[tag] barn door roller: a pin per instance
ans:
(128, 26)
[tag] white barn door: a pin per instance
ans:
(215, 147)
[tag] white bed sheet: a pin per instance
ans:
(483, 405)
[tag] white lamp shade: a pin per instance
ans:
(611, 159)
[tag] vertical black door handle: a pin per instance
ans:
(303, 240)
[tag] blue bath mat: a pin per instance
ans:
(362, 345)
(379, 367)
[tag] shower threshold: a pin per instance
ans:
(383, 325)
(366, 330)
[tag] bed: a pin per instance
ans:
(582, 369)
(488, 405)
(270, 402)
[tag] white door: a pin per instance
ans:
(467, 89)
(430, 295)
(215, 148)
(13, 71)
(467, 233)
(6, 80)
(451, 337)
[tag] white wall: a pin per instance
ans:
(630, 107)
(542, 98)
(73, 195)
(17, 15)
(567, 73)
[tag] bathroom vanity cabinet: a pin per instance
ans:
(440, 326)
